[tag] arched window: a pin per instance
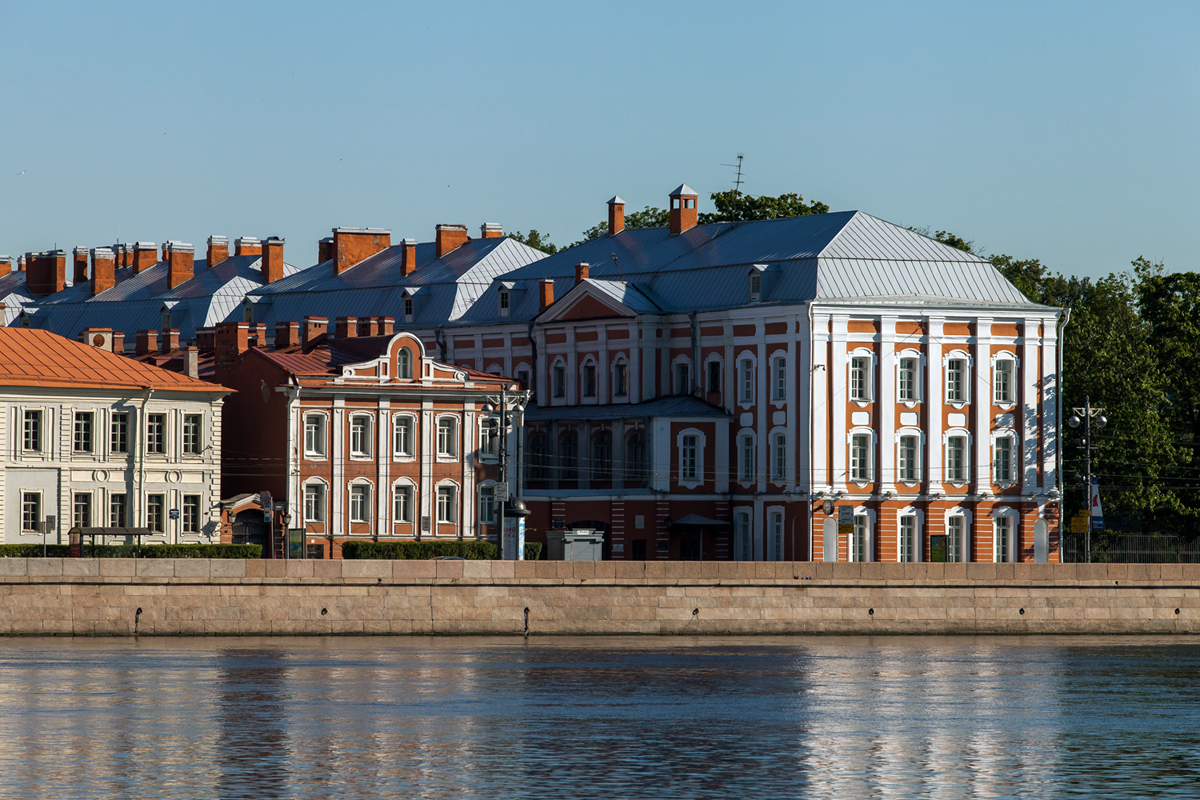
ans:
(404, 364)
(568, 455)
(636, 473)
(537, 456)
(602, 456)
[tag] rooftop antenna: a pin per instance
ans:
(737, 183)
(618, 266)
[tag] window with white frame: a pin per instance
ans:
(404, 435)
(1002, 527)
(360, 436)
(31, 511)
(404, 364)
(746, 458)
(314, 435)
(191, 434)
(360, 502)
(956, 379)
(620, 379)
(860, 457)
(742, 551)
(559, 380)
(447, 504)
(779, 452)
(714, 376)
(956, 538)
(191, 513)
(956, 459)
(860, 539)
(81, 516)
(908, 379)
(402, 503)
(775, 535)
(156, 433)
(1003, 457)
(779, 379)
(118, 506)
(155, 505)
(33, 430)
(689, 459)
(755, 286)
(683, 377)
(860, 378)
(489, 438)
(487, 505)
(447, 437)
(84, 423)
(908, 458)
(314, 502)
(589, 378)
(746, 380)
(119, 433)
(1002, 381)
(408, 309)
(907, 550)
(504, 302)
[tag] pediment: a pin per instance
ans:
(586, 302)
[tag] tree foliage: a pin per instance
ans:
(536, 240)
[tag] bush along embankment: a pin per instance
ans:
(246, 551)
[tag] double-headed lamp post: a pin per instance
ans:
(512, 408)
(1087, 413)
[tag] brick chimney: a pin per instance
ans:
(232, 339)
(147, 342)
(616, 215)
(181, 259)
(165, 245)
(191, 362)
(450, 237)
(287, 334)
(315, 330)
(103, 270)
(325, 251)
(79, 272)
(170, 340)
(387, 326)
(206, 339)
(248, 246)
(101, 338)
(366, 326)
(47, 272)
(345, 328)
(119, 342)
(257, 334)
(582, 269)
(272, 260)
(545, 294)
(6, 265)
(218, 250)
(145, 256)
(683, 209)
(20, 263)
(354, 245)
(408, 257)
(491, 230)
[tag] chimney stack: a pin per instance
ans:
(147, 342)
(408, 257)
(170, 340)
(354, 245)
(345, 328)
(119, 342)
(315, 329)
(616, 215)
(103, 270)
(6, 265)
(181, 259)
(191, 362)
(325, 251)
(582, 269)
(79, 273)
(165, 246)
(287, 334)
(101, 338)
(545, 294)
(232, 339)
(491, 230)
(206, 339)
(47, 272)
(366, 326)
(144, 256)
(683, 209)
(272, 260)
(449, 238)
(247, 246)
(20, 263)
(387, 326)
(218, 250)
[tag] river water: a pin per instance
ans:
(602, 717)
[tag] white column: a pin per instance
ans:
(799, 403)
(383, 456)
(837, 378)
(935, 402)
(661, 454)
(818, 396)
(885, 404)
(1028, 422)
(981, 404)
(791, 404)
(762, 407)
(425, 500)
(337, 491)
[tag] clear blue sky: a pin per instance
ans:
(1066, 131)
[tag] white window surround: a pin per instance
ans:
(754, 283)
(584, 397)
(690, 483)
(869, 387)
(617, 389)
(479, 494)
(404, 364)
(1013, 378)
(779, 369)
(920, 455)
(1009, 437)
(966, 456)
(313, 454)
(743, 533)
(967, 516)
(368, 503)
(919, 534)
(41, 508)
(869, 539)
(968, 368)
(686, 361)
(324, 500)
(45, 441)
(400, 418)
(1014, 521)
(558, 372)
(747, 463)
(456, 500)
(486, 455)
(405, 483)
(366, 446)
(447, 449)
(720, 362)
(776, 533)
(747, 384)
(919, 383)
(772, 466)
(870, 465)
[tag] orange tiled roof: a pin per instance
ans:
(30, 357)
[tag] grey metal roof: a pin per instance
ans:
(14, 295)
(681, 406)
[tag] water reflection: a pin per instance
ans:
(638, 718)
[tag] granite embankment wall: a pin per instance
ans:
(86, 597)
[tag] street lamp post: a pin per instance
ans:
(1087, 413)
(511, 403)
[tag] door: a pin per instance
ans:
(689, 547)
(1041, 542)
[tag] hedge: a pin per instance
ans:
(533, 551)
(475, 551)
(131, 551)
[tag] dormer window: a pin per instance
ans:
(755, 287)
(408, 309)
(504, 302)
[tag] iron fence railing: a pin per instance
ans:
(1109, 547)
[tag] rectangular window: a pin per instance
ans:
(119, 440)
(687, 457)
(156, 433)
(314, 503)
(1003, 539)
(408, 309)
(191, 434)
(360, 503)
(956, 459)
(779, 379)
(775, 536)
(755, 287)
(860, 370)
(908, 538)
(487, 505)
(360, 436)
(779, 457)
(559, 374)
(907, 383)
(523, 379)
(859, 539)
(589, 380)
(907, 471)
(620, 380)
(191, 513)
(714, 377)
(489, 437)
(956, 381)
(314, 435)
(447, 505)
(447, 437)
(682, 379)
(83, 431)
(504, 304)
(956, 539)
(155, 503)
(31, 510)
(742, 550)
(860, 457)
(82, 510)
(1004, 381)
(746, 459)
(33, 431)
(117, 505)
(746, 377)
(1004, 460)
(402, 504)
(403, 436)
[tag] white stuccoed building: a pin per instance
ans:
(95, 439)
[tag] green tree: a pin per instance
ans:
(536, 240)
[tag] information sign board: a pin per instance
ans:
(512, 539)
